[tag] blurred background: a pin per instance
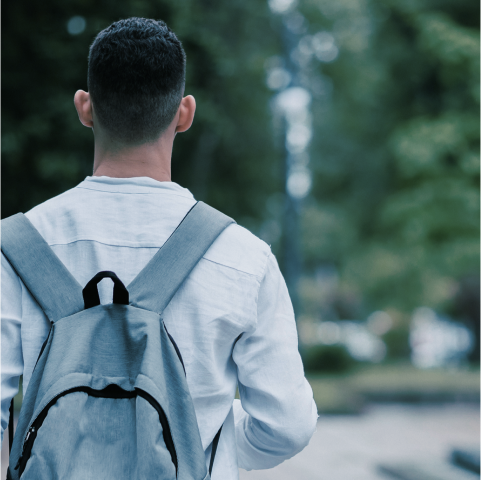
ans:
(346, 135)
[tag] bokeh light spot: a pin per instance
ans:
(76, 25)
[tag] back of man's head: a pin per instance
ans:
(136, 79)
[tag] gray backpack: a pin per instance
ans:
(108, 398)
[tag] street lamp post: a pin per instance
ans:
(293, 105)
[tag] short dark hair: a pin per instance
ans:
(136, 79)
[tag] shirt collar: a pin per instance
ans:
(133, 185)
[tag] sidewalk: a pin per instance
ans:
(352, 447)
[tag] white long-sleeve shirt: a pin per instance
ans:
(232, 318)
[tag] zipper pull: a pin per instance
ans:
(29, 432)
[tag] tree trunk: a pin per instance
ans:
(468, 305)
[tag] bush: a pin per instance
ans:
(397, 343)
(327, 359)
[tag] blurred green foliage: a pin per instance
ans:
(224, 159)
(395, 152)
(397, 343)
(327, 359)
(395, 205)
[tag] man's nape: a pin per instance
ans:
(134, 104)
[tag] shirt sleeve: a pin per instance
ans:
(276, 416)
(11, 342)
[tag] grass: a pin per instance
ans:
(349, 393)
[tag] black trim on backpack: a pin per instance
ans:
(215, 443)
(44, 344)
(12, 410)
(91, 295)
(111, 391)
(169, 442)
(176, 348)
(10, 428)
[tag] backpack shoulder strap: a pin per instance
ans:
(46, 277)
(156, 284)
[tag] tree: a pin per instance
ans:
(226, 158)
(395, 204)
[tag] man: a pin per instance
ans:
(231, 319)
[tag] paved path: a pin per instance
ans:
(351, 447)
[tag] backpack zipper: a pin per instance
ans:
(111, 391)
(27, 436)
(31, 430)
(167, 434)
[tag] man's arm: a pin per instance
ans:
(278, 415)
(11, 343)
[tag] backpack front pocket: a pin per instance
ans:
(110, 434)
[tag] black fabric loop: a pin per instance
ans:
(91, 294)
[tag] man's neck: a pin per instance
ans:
(148, 160)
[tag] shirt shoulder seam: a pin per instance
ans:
(264, 270)
(232, 268)
(154, 246)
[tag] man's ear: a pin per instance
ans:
(83, 104)
(186, 113)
